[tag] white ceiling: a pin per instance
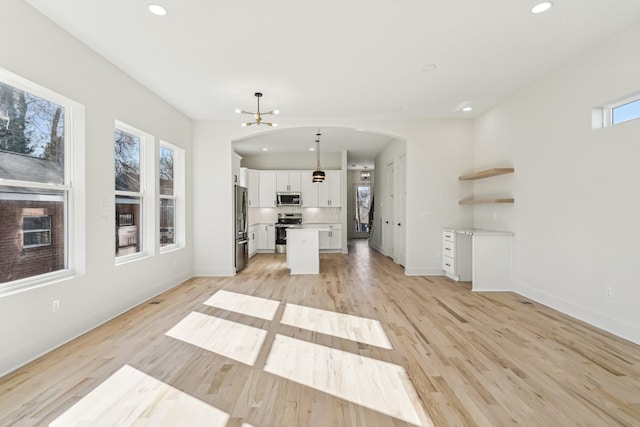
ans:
(359, 144)
(337, 59)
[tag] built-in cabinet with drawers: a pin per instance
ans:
(456, 255)
(480, 256)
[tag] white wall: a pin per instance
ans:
(577, 204)
(43, 53)
(291, 161)
(437, 152)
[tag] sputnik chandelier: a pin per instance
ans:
(258, 115)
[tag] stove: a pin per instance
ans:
(285, 220)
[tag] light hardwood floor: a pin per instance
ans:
(457, 358)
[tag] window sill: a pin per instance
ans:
(126, 259)
(30, 283)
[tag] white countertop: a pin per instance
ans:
(477, 231)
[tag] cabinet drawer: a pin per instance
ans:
(449, 236)
(448, 264)
(448, 248)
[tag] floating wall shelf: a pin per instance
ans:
(486, 174)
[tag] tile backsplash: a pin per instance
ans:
(309, 215)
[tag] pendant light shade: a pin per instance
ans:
(318, 174)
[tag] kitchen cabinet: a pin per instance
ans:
(332, 239)
(288, 181)
(309, 190)
(267, 189)
(253, 192)
(329, 191)
(266, 237)
(456, 255)
(235, 168)
(253, 239)
(481, 256)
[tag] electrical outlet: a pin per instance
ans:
(55, 306)
(608, 292)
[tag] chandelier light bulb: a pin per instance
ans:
(276, 111)
(237, 111)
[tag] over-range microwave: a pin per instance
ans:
(289, 199)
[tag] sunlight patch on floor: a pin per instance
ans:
(360, 329)
(244, 304)
(374, 384)
(229, 339)
(132, 398)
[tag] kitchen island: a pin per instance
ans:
(303, 250)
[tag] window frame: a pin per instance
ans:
(602, 117)
(144, 194)
(72, 188)
(178, 197)
(37, 230)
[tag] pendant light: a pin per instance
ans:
(318, 174)
(257, 115)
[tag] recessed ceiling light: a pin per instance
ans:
(312, 149)
(156, 9)
(542, 7)
(265, 149)
(467, 109)
(429, 67)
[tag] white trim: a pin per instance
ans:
(614, 326)
(423, 272)
(145, 194)
(73, 186)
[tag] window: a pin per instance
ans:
(129, 185)
(172, 190)
(614, 113)
(36, 231)
(167, 196)
(36, 210)
(625, 112)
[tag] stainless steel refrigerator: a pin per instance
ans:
(241, 228)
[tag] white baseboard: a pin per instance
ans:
(166, 285)
(616, 327)
(226, 272)
(423, 272)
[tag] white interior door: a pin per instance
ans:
(399, 254)
(388, 217)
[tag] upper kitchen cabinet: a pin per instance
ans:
(267, 189)
(235, 168)
(329, 193)
(309, 190)
(253, 192)
(288, 181)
